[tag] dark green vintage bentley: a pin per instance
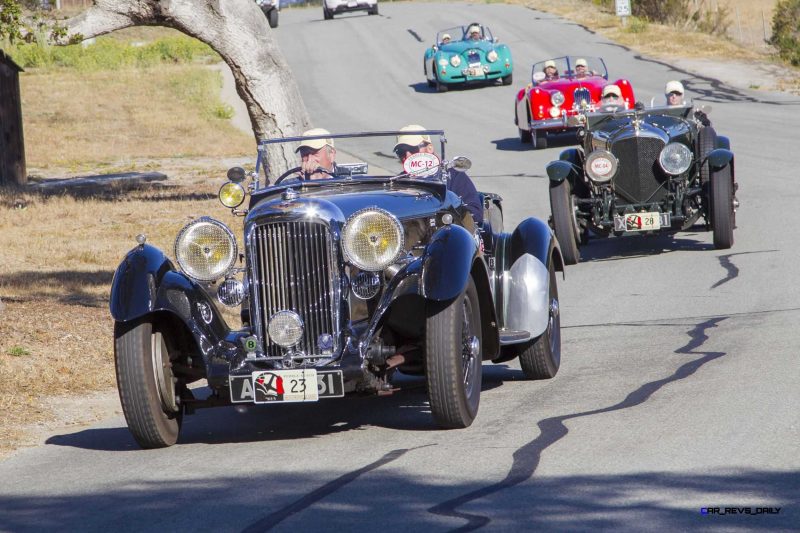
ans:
(643, 171)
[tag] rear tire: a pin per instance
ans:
(148, 390)
(272, 17)
(328, 15)
(564, 221)
(453, 359)
(374, 10)
(722, 221)
(541, 357)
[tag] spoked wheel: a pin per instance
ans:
(453, 359)
(566, 226)
(722, 213)
(541, 357)
(148, 389)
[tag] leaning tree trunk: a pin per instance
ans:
(239, 32)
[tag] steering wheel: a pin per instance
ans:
(304, 176)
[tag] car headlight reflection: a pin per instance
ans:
(675, 158)
(557, 98)
(205, 249)
(372, 239)
(491, 57)
(601, 166)
(455, 60)
(231, 194)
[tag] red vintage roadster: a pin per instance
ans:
(561, 90)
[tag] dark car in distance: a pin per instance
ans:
(643, 171)
(340, 282)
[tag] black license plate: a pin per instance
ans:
(281, 386)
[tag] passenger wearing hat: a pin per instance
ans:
(446, 38)
(474, 32)
(458, 182)
(550, 70)
(316, 154)
(611, 99)
(674, 93)
(581, 68)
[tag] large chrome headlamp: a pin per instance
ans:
(601, 165)
(557, 98)
(455, 60)
(491, 57)
(675, 158)
(372, 239)
(205, 249)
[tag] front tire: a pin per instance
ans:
(706, 141)
(508, 80)
(273, 18)
(440, 87)
(722, 213)
(148, 390)
(374, 10)
(453, 359)
(564, 221)
(539, 139)
(328, 15)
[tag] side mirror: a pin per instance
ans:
(638, 106)
(461, 163)
(434, 48)
(236, 174)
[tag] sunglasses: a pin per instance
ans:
(417, 148)
(675, 93)
(304, 151)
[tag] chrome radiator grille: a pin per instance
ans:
(639, 177)
(581, 95)
(294, 271)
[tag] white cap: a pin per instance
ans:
(673, 86)
(412, 140)
(446, 36)
(315, 144)
(611, 89)
(549, 63)
(581, 63)
(473, 28)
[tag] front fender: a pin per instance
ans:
(561, 170)
(719, 158)
(447, 263)
(146, 282)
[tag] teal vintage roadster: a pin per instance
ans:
(467, 55)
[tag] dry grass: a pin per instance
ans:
(56, 334)
(93, 120)
(657, 40)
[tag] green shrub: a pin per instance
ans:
(786, 30)
(18, 351)
(636, 25)
(111, 54)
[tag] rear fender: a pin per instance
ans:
(526, 279)
(447, 263)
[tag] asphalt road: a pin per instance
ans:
(678, 388)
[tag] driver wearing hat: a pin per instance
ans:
(611, 99)
(458, 182)
(581, 68)
(316, 154)
(474, 32)
(674, 93)
(550, 70)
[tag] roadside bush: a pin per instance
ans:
(786, 30)
(112, 54)
(685, 13)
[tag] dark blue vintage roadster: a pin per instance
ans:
(340, 282)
